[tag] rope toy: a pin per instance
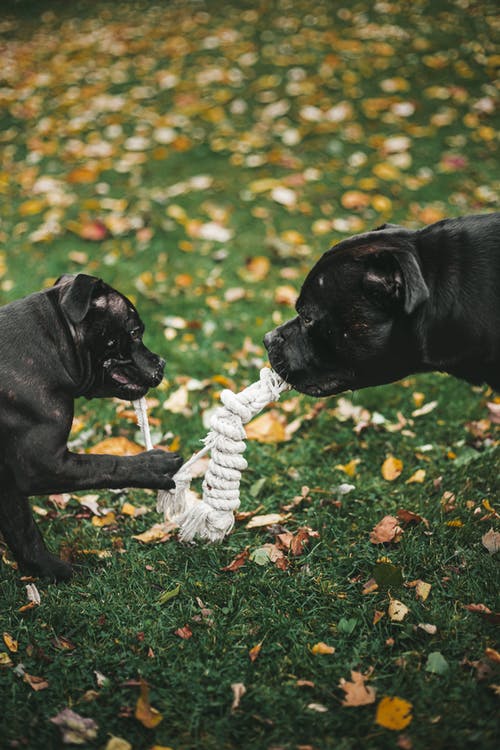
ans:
(213, 517)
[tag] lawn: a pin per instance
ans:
(200, 156)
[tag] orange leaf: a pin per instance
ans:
(356, 692)
(392, 468)
(37, 683)
(238, 561)
(256, 268)
(184, 632)
(116, 446)
(268, 428)
(108, 520)
(322, 648)
(387, 530)
(255, 651)
(144, 712)
(394, 713)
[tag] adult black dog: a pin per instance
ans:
(78, 338)
(382, 305)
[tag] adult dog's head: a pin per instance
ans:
(353, 327)
(107, 332)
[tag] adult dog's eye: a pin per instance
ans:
(307, 321)
(136, 334)
(111, 343)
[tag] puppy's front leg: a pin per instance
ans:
(68, 472)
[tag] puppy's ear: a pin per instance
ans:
(77, 295)
(397, 277)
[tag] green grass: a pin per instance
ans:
(425, 72)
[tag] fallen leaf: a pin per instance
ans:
(408, 516)
(266, 553)
(36, 683)
(256, 269)
(349, 468)
(397, 611)
(145, 713)
(157, 534)
(394, 713)
(76, 730)
(322, 648)
(239, 691)
(417, 477)
(422, 590)
(255, 651)
(386, 530)
(117, 743)
(425, 409)
(427, 628)
(386, 575)
(10, 642)
(5, 660)
(491, 540)
(493, 412)
(391, 468)
(436, 663)
(237, 562)
(107, 520)
(356, 691)
(267, 428)
(267, 520)
(166, 596)
(184, 632)
(318, 707)
(116, 446)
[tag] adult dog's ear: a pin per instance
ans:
(396, 276)
(77, 294)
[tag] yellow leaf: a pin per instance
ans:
(117, 743)
(397, 611)
(5, 660)
(422, 590)
(128, 509)
(355, 199)
(350, 467)
(418, 476)
(10, 642)
(386, 171)
(108, 520)
(158, 533)
(392, 468)
(456, 524)
(394, 713)
(322, 648)
(267, 428)
(145, 713)
(116, 446)
(29, 208)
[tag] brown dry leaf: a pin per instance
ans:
(10, 642)
(422, 590)
(270, 427)
(356, 691)
(267, 520)
(116, 446)
(386, 530)
(157, 534)
(492, 654)
(237, 562)
(322, 648)
(493, 412)
(36, 683)
(491, 540)
(300, 539)
(145, 713)
(391, 468)
(486, 612)
(255, 651)
(76, 729)
(408, 516)
(394, 713)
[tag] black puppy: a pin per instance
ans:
(78, 338)
(382, 305)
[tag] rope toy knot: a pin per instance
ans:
(213, 517)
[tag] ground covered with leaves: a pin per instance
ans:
(200, 157)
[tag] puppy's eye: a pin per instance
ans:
(307, 321)
(111, 343)
(136, 334)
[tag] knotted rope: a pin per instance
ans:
(213, 517)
